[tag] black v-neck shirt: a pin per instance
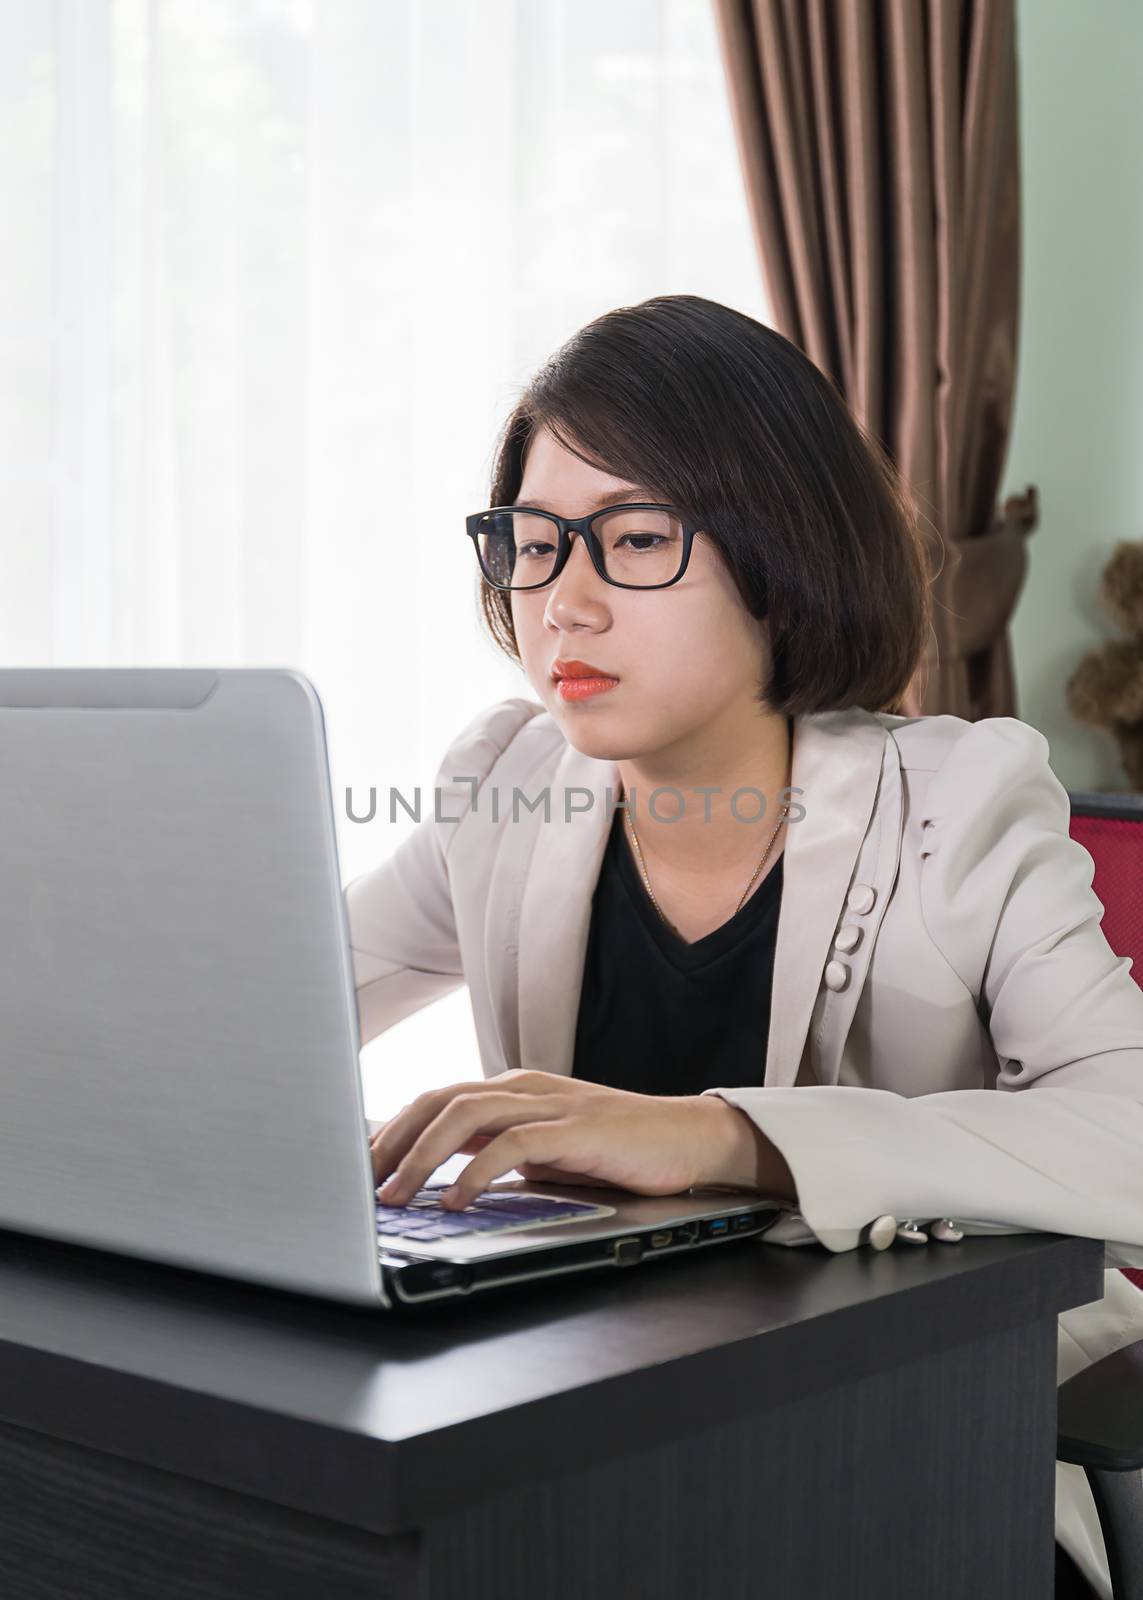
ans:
(658, 1015)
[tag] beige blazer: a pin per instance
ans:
(950, 1033)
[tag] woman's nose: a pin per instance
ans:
(578, 581)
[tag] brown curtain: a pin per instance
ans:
(879, 147)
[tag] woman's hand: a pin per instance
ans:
(552, 1128)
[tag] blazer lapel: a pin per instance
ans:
(555, 908)
(835, 767)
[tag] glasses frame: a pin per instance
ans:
(565, 527)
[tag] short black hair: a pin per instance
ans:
(739, 429)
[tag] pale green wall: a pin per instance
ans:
(1078, 425)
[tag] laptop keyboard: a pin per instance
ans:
(423, 1217)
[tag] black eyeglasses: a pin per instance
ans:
(635, 546)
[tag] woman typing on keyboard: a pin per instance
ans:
(730, 910)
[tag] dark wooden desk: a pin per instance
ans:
(752, 1422)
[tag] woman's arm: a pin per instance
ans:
(402, 929)
(746, 1159)
(1058, 1145)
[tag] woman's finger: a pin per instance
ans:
(531, 1143)
(392, 1139)
(464, 1116)
(471, 1146)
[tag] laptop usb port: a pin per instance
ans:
(718, 1225)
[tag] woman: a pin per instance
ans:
(726, 916)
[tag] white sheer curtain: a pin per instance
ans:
(273, 274)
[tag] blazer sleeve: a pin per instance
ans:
(402, 927)
(1057, 1145)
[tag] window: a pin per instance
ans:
(271, 266)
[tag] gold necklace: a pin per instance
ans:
(647, 882)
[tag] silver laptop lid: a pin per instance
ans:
(179, 1070)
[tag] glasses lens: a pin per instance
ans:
(640, 547)
(518, 549)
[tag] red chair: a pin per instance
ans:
(1100, 1410)
(1110, 828)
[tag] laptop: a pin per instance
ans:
(180, 1073)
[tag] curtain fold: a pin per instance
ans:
(879, 146)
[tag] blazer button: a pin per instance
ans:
(861, 898)
(836, 974)
(848, 939)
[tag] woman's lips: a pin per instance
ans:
(584, 688)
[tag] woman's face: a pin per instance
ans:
(687, 657)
